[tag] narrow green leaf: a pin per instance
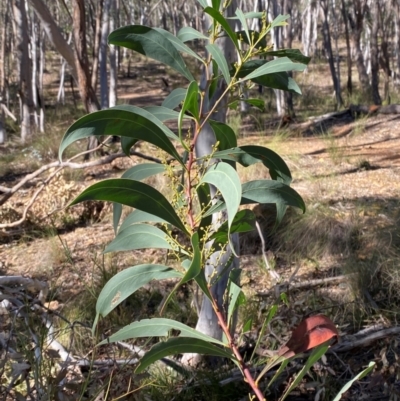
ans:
(233, 296)
(178, 44)
(188, 33)
(256, 103)
(278, 65)
(256, 36)
(117, 213)
(247, 326)
(193, 270)
(203, 193)
(271, 314)
(140, 236)
(244, 221)
(280, 370)
(175, 98)
(143, 170)
(138, 216)
(157, 327)
(293, 54)
(251, 14)
(190, 104)
(216, 4)
(135, 194)
(220, 59)
(151, 43)
(268, 191)
(203, 284)
(162, 113)
(248, 155)
(264, 191)
(362, 374)
(127, 144)
(225, 179)
(224, 134)
(126, 282)
(280, 20)
(313, 358)
(179, 345)
(224, 23)
(242, 19)
(126, 121)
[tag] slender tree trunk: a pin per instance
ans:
(3, 39)
(208, 322)
(86, 91)
(356, 25)
(103, 55)
(24, 68)
(42, 60)
(81, 61)
(288, 96)
(275, 36)
(348, 48)
(397, 40)
(34, 57)
(375, 54)
(97, 36)
(328, 49)
(113, 57)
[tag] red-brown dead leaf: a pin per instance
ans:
(311, 332)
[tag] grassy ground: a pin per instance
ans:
(349, 177)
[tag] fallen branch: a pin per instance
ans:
(279, 288)
(352, 341)
(58, 165)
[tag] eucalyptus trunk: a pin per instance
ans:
(348, 47)
(329, 52)
(217, 264)
(375, 53)
(24, 68)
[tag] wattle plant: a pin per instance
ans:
(207, 193)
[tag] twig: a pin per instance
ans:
(8, 192)
(273, 273)
(305, 284)
(8, 112)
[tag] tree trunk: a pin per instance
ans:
(375, 53)
(208, 322)
(356, 25)
(103, 55)
(288, 96)
(348, 48)
(328, 49)
(24, 68)
(81, 58)
(113, 56)
(3, 39)
(97, 36)
(86, 91)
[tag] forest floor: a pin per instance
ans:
(348, 174)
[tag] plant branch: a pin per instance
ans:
(245, 369)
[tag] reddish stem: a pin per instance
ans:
(235, 350)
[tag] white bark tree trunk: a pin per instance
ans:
(24, 68)
(104, 103)
(208, 322)
(113, 57)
